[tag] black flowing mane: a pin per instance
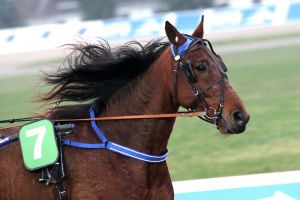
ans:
(94, 72)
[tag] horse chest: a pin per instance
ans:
(106, 175)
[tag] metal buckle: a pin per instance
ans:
(196, 92)
(177, 58)
(206, 115)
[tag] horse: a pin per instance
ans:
(131, 79)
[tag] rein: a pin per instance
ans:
(150, 116)
(126, 117)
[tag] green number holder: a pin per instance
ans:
(38, 144)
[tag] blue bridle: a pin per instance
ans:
(117, 148)
(182, 49)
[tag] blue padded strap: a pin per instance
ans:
(95, 127)
(136, 154)
(190, 40)
(181, 49)
(185, 46)
(84, 145)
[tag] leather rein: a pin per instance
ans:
(129, 117)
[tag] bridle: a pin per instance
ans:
(211, 114)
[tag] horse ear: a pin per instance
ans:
(174, 36)
(199, 32)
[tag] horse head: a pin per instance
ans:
(200, 82)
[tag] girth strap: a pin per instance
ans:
(106, 144)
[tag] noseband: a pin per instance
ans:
(212, 115)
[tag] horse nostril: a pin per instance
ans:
(238, 118)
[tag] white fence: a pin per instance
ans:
(269, 186)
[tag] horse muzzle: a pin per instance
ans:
(234, 124)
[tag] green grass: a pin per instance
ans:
(268, 82)
(43, 63)
(17, 96)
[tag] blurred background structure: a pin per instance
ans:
(34, 12)
(51, 23)
(259, 40)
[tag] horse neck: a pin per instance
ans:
(151, 94)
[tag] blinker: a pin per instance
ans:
(189, 71)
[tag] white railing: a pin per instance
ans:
(216, 20)
(268, 186)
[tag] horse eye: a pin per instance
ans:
(201, 68)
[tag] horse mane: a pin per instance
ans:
(92, 73)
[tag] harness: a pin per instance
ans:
(211, 114)
(112, 146)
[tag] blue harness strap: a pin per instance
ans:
(95, 127)
(117, 148)
(84, 145)
(9, 140)
(135, 154)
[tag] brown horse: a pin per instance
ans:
(128, 80)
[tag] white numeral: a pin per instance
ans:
(40, 132)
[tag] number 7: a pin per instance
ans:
(40, 132)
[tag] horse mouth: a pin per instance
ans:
(226, 128)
